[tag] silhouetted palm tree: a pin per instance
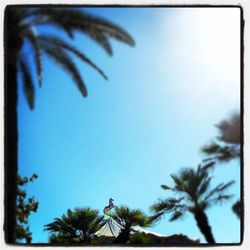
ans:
(193, 194)
(75, 226)
(227, 147)
(20, 28)
(128, 218)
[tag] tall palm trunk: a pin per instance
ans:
(10, 152)
(202, 223)
(12, 46)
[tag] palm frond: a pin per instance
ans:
(62, 59)
(33, 39)
(203, 187)
(226, 186)
(54, 226)
(166, 205)
(207, 165)
(156, 217)
(221, 198)
(71, 20)
(219, 189)
(170, 205)
(108, 29)
(75, 20)
(28, 84)
(178, 183)
(220, 152)
(63, 44)
(103, 42)
(131, 217)
(165, 187)
(211, 148)
(176, 215)
(227, 153)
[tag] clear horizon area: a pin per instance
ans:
(160, 105)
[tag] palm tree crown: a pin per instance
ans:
(128, 218)
(22, 28)
(193, 194)
(75, 226)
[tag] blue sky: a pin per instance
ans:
(158, 108)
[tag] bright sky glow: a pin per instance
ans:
(150, 119)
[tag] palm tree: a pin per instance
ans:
(193, 194)
(128, 218)
(75, 226)
(21, 27)
(227, 147)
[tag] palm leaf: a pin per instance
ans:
(211, 149)
(176, 215)
(220, 152)
(28, 84)
(204, 186)
(178, 183)
(219, 189)
(37, 54)
(72, 19)
(166, 205)
(221, 198)
(156, 217)
(103, 42)
(131, 217)
(62, 59)
(207, 166)
(63, 44)
(165, 187)
(170, 205)
(226, 186)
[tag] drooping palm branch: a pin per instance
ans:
(27, 21)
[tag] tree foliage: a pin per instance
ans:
(25, 206)
(128, 218)
(24, 28)
(192, 193)
(75, 226)
(227, 147)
